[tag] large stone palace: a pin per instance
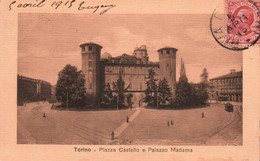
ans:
(227, 87)
(102, 69)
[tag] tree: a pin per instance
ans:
(164, 92)
(70, 87)
(107, 98)
(183, 77)
(183, 89)
(204, 76)
(202, 92)
(151, 90)
(119, 88)
(195, 94)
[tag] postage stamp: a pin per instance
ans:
(243, 23)
(238, 28)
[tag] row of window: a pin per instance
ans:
(130, 86)
(167, 52)
(237, 88)
(89, 48)
(131, 76)
(230, 91)
(230, 87)
(110, 70)
(140, 86)
(228, 81)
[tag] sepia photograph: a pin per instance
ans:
(126, 79)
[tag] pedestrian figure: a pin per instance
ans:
(112, 135)
(43, 115)
(52, 106)
(168, 123)
(127, 119)
(202, 115)
(171, 122)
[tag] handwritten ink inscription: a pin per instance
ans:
(80, 5)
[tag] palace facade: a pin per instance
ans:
(102, 69)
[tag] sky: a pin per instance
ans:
(47, 42)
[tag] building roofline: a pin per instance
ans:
(32, 79)
(140, 49)
(230, 75)
(126, 65)
(90, 43)
(165, 48)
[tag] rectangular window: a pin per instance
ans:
(168, 52)
(90, 85)
(90, 48)
(140, 86)
(90, 57)
(90, 63)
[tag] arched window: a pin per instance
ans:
(90, 71)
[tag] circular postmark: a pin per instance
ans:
(239, 27)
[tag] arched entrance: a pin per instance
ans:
(140, 102)
(129, 101)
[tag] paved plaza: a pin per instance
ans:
(144, 126)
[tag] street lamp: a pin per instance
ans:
(67, 101)
(157, 100)
(117, 101)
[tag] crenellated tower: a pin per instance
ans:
(167, 61)
(91, 67)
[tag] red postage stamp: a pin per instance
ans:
(243, 24)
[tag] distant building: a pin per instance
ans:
(32, 90)
(228, 87)
(134, 68)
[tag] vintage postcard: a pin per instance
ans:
(117, 80)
